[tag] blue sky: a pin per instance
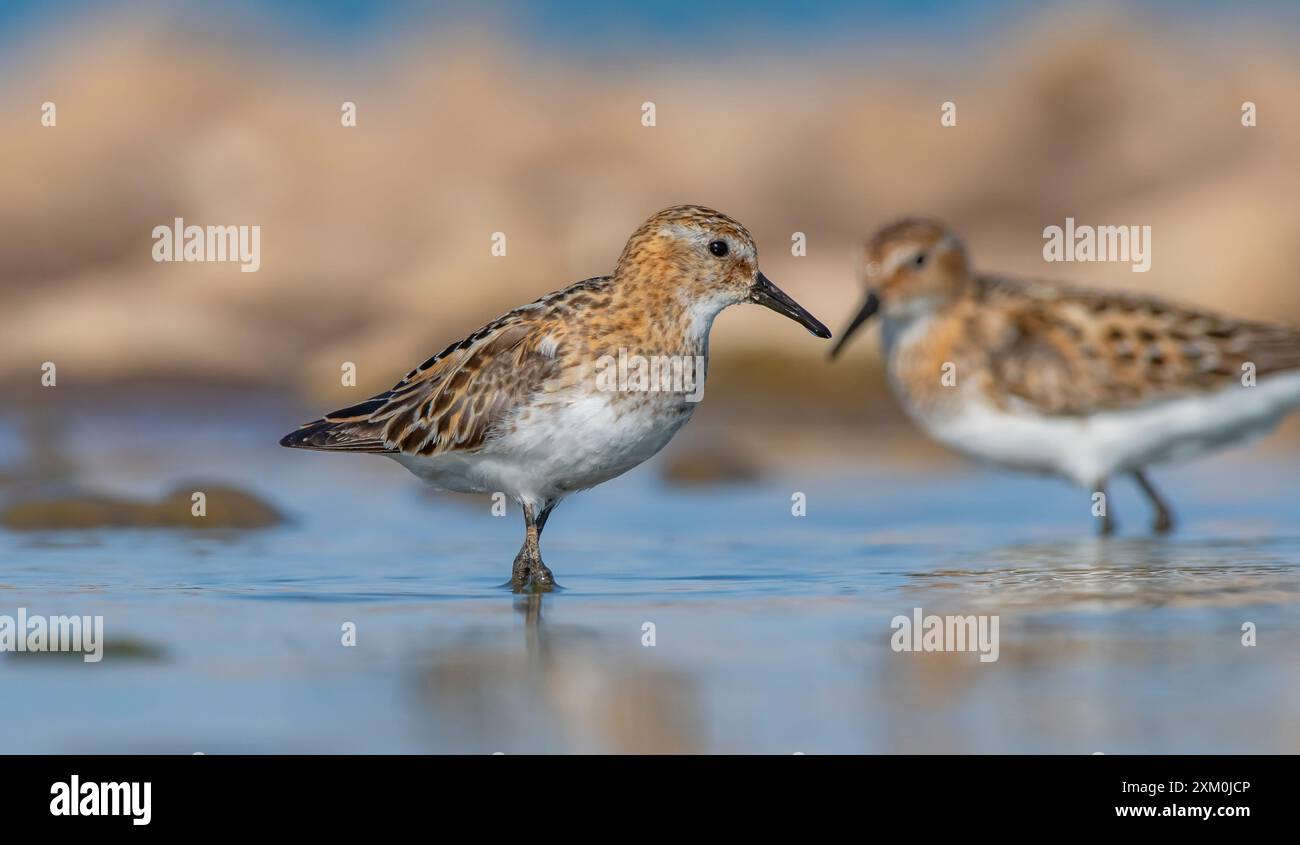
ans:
(579, 23)
(560, 19)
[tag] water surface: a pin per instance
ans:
(772, 631)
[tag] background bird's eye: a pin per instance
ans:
(718, 248)
(919, 261)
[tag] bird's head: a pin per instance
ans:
(912, 268)
(706, 261)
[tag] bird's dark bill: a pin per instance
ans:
(769, 295)
(868, 308)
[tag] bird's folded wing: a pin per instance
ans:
(455, 401)
(1071, 351)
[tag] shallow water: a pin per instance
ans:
(772, 632)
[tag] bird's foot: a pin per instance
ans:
(530, 575)
(540, 580)
(1164, 523)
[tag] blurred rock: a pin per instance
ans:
(708, 462)
(376, 239)
(225, 508)
(122, 649)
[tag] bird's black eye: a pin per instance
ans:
(719, 248)
(919, 261)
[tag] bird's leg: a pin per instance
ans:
(1164, 521)
(1107, 523)
(541, 575)
(521, 573)
(543, 516)
(529, 573)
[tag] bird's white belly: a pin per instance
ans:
(1092, 448)
(561, 446)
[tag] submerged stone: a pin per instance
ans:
(222, 507)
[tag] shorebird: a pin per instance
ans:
(1047, 377)
(533, 404)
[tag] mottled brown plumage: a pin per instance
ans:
(1050, 377)
(1057, 348)
(1074, 351)
(518, 406)
(460, 397)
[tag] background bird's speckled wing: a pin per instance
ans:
(1069, 351)
(452, 402)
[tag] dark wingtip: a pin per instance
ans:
(307, 436)
(329, 436)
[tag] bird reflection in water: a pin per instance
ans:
(568, 689)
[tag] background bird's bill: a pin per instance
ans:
(868, 308)
(767, 294)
